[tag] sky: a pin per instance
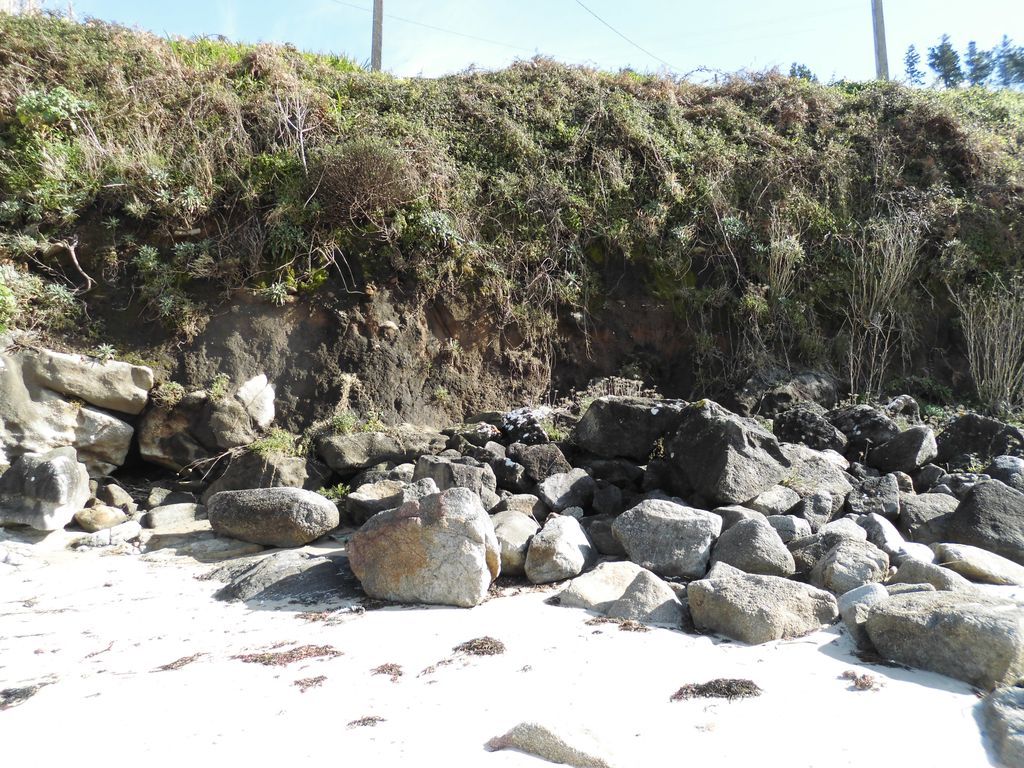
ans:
(832, 37)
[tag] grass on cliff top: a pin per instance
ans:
(168, 165)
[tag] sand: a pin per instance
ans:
(98, 626)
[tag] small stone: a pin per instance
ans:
(99, 517)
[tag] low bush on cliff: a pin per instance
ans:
(755, 207)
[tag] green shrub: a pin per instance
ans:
(8, 306)
(278, 442)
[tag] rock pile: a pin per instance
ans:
(683, 515)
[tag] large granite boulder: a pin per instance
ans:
(627, 427)
(275, 517)
(668, 538)
(561, 550)
(848, 565)
(44, 491)
(440, 550)
(724, 457)
(966, 635)
(913, 571)
(757, 609)
(349, 453)
(754, 546)
(991, 516)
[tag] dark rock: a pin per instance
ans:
(293, 576)
(909, 450)
(991, 516)
(620, 472)
(1008, 470)
(567, 489)
(980, 436)
(923, 517)
(600, 532)
(627, 427)
(772, 391)
(608, 500)
(523, 425)
(725, 457)
(880, 495)
(541, 460)
(865, 427)
(511, 476)
(347, 454)
(927, 477)
(252, 470)
(802, 425)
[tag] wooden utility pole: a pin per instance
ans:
(881, 56)
(378, 34)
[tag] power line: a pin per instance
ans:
(628, 40)
(436, 29)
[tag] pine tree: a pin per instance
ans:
(944, 61)
(912, 64)
(1004, 63)
(980, 64)
(803, 72)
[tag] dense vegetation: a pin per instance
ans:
(783, 219)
